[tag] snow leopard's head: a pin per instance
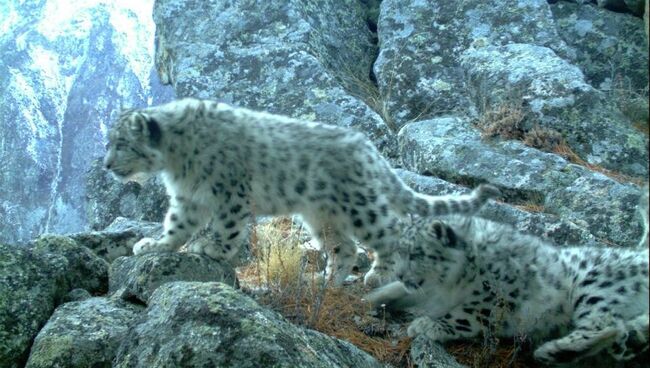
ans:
(134, 145)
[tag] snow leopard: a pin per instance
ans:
(225, 164)
(463, 276)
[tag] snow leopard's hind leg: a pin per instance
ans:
(594, 331)
(340, 248)
(634, 341)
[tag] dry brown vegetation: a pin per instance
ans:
(292, 287)
(285, 279)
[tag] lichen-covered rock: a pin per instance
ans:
(192, 324)
(561, 232)
(635, 7)
(418, 70)
(83, 334)
(118, 238)
(136, 278)
(430, 354)
(316, 55)
(557, 97)
(109, 199)
(33, 281)
(610, 47)
(452, 149)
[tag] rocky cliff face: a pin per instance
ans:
(65, 71)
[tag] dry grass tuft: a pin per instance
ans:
(505, 121)
(479, 355)
(292, 287)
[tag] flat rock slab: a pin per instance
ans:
(453, 149)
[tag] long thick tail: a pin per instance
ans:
(410, 201)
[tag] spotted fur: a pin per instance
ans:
(225, 163)
(466, 276)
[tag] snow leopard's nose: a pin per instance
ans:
(108, 162)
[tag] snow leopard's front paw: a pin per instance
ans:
(420, 326)
(546, 353)
(429, 328)
(375, 278)
(149, 245)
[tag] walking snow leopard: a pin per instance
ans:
(465, 276)
(230, 163)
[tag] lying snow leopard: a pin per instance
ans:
(227, 162)
(464, 276)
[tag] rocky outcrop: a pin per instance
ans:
(64, 78)
(192, 324)
(610, 47)
(418, 69)
(555, 96)
(316, 55)
(33, 281)
(110, 199)
(136, 278)
(453, 149)
(83, 334)
(559, 230)
(163, 309)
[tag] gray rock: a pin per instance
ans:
(316, 55)
(135, 278)
(109, 199)
(557, 97)
(452, 149)
(192, 324)
(430, 354)
(418, 70)
(610, 47)
(77, 295)
(118, 238)
(635, 7)
(33, 281)
(545, 225)
(83, 334)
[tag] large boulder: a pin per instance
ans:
(316, 55)
(83, 334)
(418, 70)
(193, 324)
(556, 96)
(33, 281)
(610, 47)
(452, 148)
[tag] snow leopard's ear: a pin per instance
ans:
(145, 128)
